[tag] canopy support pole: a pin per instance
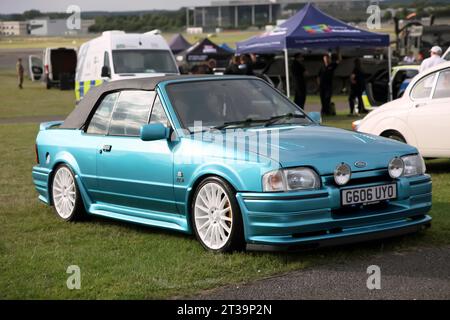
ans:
(390, 72)
(286, 69)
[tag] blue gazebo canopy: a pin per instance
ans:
(227, 47)
(311, 28)
(178, 43)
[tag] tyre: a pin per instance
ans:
(216, 217)
(394, 136)
(66, 197)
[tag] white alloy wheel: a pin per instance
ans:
(64, 192)
(213, 216)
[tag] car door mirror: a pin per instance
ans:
(154, 131)
(315, 116)
(106, 72)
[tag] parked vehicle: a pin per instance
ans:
(119, 55)
(421, 117)
(256, 171)
(377, 86)
(59, 67)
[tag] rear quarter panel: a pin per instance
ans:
(70, 147)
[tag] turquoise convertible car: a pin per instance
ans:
(231, 160)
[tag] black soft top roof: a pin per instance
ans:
(78, 117)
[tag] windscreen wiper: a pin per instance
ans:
(286, 116)
(239, 123)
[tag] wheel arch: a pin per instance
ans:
(388, 132)
(193, 188)
(65, 158)
(394, 124)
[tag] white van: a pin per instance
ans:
(118, 55)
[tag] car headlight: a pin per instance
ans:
(406, 166)
(414, 165)
(396, 167)
(300, 178)
(356, 124)
(342, 174)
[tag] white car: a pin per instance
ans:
(421, 117)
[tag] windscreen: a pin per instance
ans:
(217, 102)
(143, 61)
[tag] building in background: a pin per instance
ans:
(56, 27)
(258, 13)
(13, 28)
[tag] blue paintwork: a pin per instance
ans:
(155, 131)
(137, 181)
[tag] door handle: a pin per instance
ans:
(106, 148)
(420, 105)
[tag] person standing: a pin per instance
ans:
(233, 67)
(357, 85)
(409, 58)
(326, 75)
(20, 71)
(246, 67)
(433, 60)
(299, 72)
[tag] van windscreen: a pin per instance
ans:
(143, 61)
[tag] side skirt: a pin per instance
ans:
(145, 217)
(156, 219)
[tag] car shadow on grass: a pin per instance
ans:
(438, 166)
(318, 255)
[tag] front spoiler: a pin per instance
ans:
(413, 227)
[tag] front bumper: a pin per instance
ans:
(317, 217)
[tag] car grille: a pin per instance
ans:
(361, 178)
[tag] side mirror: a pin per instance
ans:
(154, 131)
(315, 116)
(106, 72)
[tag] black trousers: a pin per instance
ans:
(326, 91)
(300, 96)
(355, 94)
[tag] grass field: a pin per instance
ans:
(120, 260)
(33, 100)
(229, 37)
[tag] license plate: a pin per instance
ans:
(368, 194)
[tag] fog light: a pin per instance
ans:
(342, 174)
(396, 167)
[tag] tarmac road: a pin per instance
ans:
(8, 57)
(420, 274)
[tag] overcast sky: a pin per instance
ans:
(18, 6)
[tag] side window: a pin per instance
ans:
(131, 113)
(442, 85)
(100, 121)
(158, 114)
(447, 56)
(423, 88)
(106, 59)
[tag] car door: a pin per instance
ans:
(430, 113)
(131, 172)
(35, 66)
(92, 139)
